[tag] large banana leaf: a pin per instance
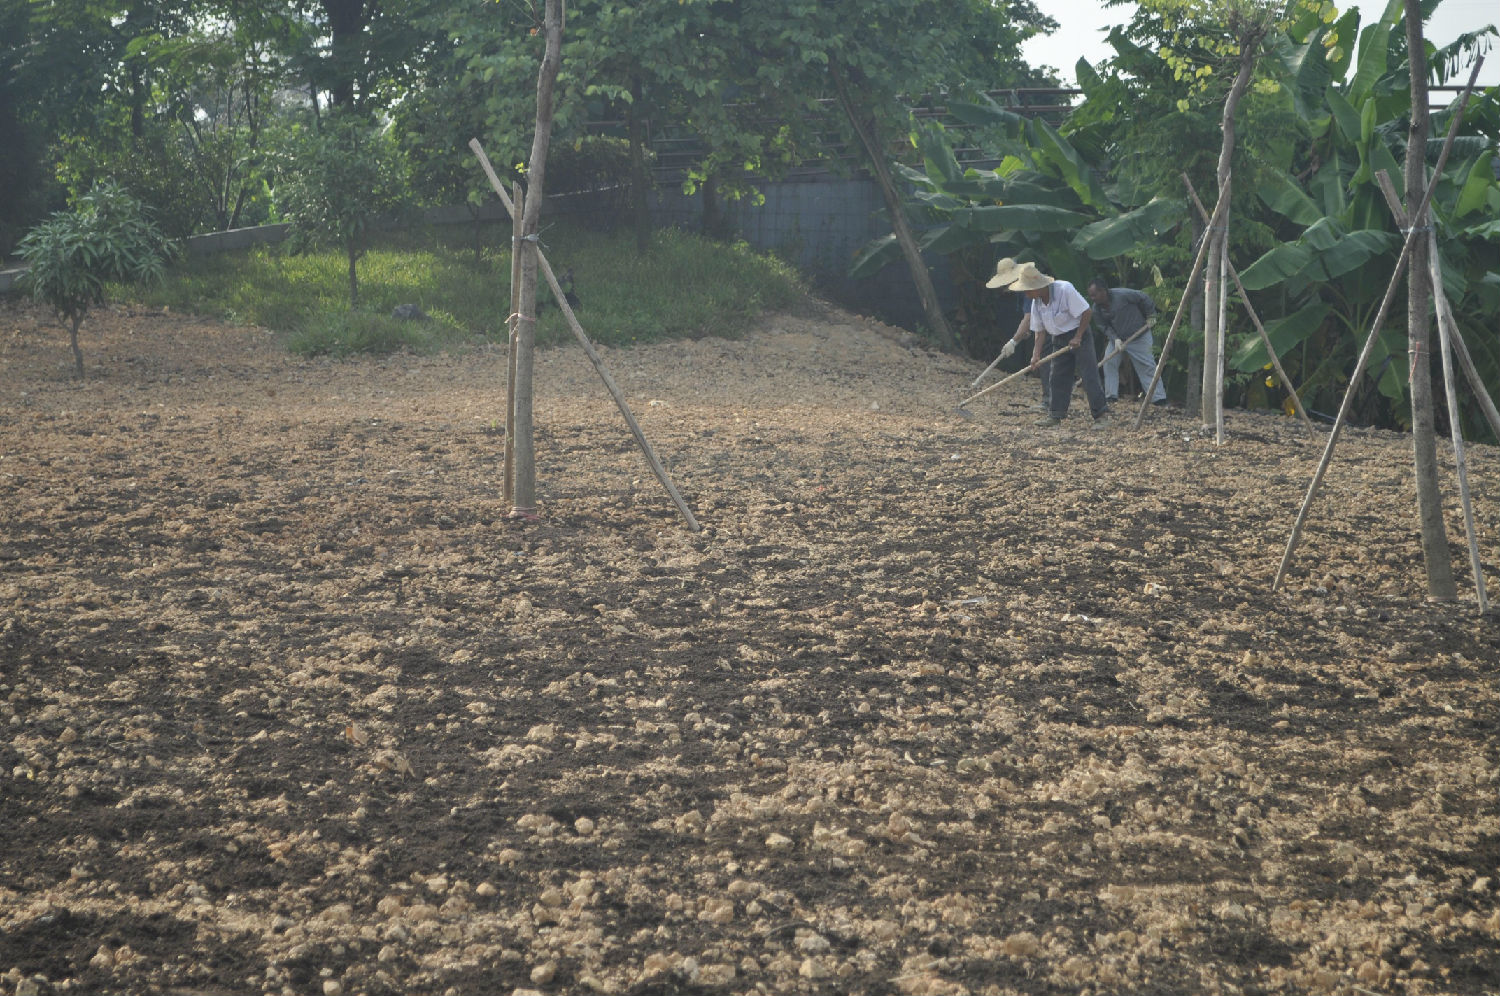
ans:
(874, 256)
(1070, 164)
(1327, 187)
(986, 113)
(1285, 333)
(1109, 238)
(945, 239)
(1374, 44)
(1477, 185)
(1281, 194)
(1025, 217)
(1345, 115)
(937, 155)
(1324, 252)
(1374, 155)
(1312, 66)
(1388, 365)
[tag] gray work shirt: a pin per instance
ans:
(1125, 313)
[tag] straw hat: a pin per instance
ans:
(1005, 271)
(1029, 278)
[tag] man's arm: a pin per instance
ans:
(1083, 329)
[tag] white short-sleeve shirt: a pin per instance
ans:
(1062, 312)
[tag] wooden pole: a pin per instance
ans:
(1223, 338)
(1254, 317)
(524, 500)
(1437, 558)
(1187, 295)
(1455, 427)
(510, 354)
(588, 348)
(1460, 348)
(1364, 354)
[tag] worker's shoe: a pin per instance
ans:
(1102, 421)
(1047, 421)
(1160, 402)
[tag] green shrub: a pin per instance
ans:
(348, 333)
(686, 287)
(71, 257)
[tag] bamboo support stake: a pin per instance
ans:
(588, 348)
(1364, 354)
(1460, 348)
(1223, 340)
(1465, 360)
(1254, 317)
(512, 323)
(1455, 427)
(1161, 362)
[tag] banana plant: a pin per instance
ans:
(1344, 231)
(1043, 199)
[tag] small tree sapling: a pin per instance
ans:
(106, 237)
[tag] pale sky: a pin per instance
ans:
(1085, 23)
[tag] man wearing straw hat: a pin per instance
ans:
(1006, 271)
(1064, 314)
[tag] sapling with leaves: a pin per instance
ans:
(340, 182)
(72, 256)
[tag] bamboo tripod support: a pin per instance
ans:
(588, 347)
(1161, 362)
(1451, 342)
(1255, 318)
(1460, 348)
(1364, 354)
(1447, 332)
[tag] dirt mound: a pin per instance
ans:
(937, 702)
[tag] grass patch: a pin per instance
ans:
(684, 287)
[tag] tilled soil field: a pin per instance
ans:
(935, 703)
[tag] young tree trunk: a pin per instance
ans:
(525, 449)
(864, 127)
(1193, 392)
(353, 278)
(73, 341)
(713, 217)
(640, 193)
(1435, 552)
(1213, 397)
(346, 21)
(1212, 289)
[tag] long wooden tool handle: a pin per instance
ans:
(1019, 373)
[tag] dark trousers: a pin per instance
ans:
(1049, 345)
(1081, 362)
